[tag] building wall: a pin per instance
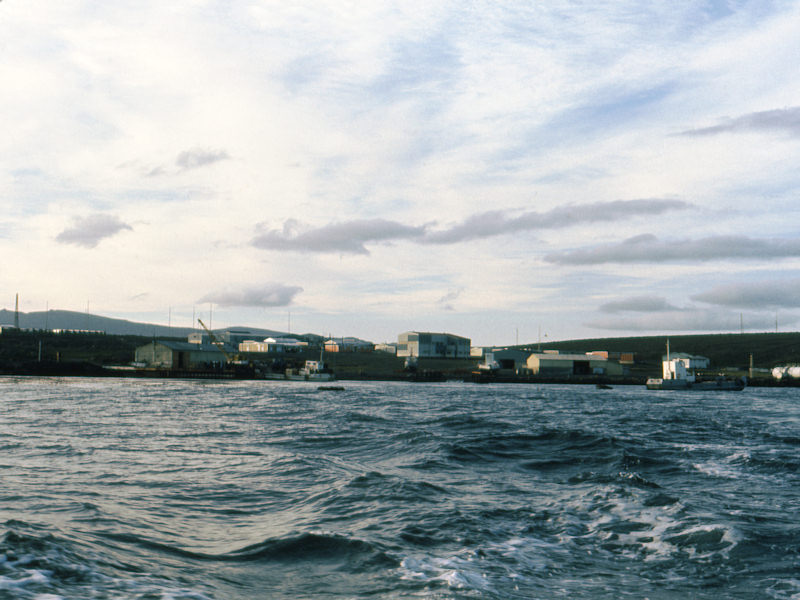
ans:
(177, 356)
(566, 365)
(432, 345)
(154, 354)
(270, 345)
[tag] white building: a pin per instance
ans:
(272, 345)
(423, 344)
(679, 365)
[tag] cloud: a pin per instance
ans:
(447, 300)
(347, 237)
(648, 248)
(193, 159)
(755, 295)
(89, 231)
(270, 294)
(638, 304)
(781, 119)
(494, 223)
(351, 236)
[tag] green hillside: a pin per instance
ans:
(724, 350)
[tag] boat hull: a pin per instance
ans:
(716, 385)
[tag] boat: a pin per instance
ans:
(313, 370)
(718, 384)
(680, 373)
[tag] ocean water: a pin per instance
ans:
(183, 490)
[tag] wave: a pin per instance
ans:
(302, 547)
(36, 564)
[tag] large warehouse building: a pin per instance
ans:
(553, 364)
(178, 355)
(423, 344)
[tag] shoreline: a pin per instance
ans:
(243, 372)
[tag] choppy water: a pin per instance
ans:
(179, 490)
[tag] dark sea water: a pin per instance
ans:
(180, 490)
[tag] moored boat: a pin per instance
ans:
(679, 372)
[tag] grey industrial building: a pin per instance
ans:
(554, 364)
(178, 355)
(424, 344)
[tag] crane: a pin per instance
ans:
(220, 345)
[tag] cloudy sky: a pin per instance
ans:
(499, 170)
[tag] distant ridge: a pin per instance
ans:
(66, 319)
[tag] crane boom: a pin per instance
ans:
(220, 345)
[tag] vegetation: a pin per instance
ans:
(33, 346)
(725, 351)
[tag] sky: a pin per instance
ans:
(504, 171)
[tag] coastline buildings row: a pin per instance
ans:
(200, 350)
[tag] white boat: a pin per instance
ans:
(313, 370)
(680, 373)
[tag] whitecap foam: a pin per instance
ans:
(29, 577)
(459, 571)
(784, 589)
(623, 523)
(717, 469)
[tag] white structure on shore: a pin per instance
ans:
(682, 366)
(269, 344)
(786, 372)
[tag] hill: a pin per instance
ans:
(724, 350)
(77, 321)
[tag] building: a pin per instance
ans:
(230, 337)
(507, 359)
(198, 337)
(272, 345)
(553, 364)
(624, 358)
(423, 344)
(178, 355)
(348, 344)
(680, 365)
(388, 348)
